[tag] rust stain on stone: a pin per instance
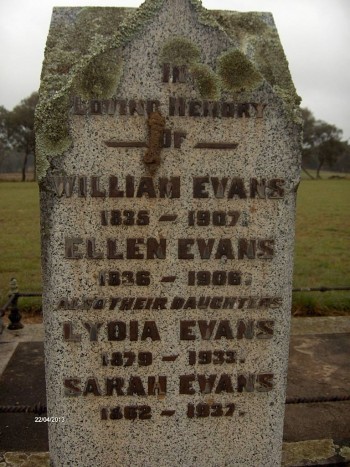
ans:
(156, 126)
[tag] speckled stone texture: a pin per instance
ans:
(196, 377)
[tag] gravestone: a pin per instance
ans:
(168, 161)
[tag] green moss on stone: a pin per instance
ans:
(271, 60)
(273, 65)
(179, 51)
(101, 76)
(255, 32)
(237, 73)
(206, 81)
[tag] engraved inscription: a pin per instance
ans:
(189, 330)
(207, 187)
(114, 187)
(117, 278)
(210, 410)
(225, 383)
(177, 106)
(124, 217)
(216, 357)
(135, 385)
(211, 363)
(126, 359)
(216, 218)
(129, 412)
(177, 303)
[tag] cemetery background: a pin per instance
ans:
(314, 221)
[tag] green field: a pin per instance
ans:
(322, 244)
(321, 256)
(19, 239)
(324, 174)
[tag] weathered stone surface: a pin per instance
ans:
(167, 232)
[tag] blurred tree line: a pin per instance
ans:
(17, 137)
(322, 147)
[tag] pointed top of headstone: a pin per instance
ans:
(229, 54)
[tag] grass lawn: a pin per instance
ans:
(322, 244)
(20, 240)
(324, 174)
(321, 254)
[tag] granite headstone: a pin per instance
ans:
(168, 157)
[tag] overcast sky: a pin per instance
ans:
(315, 35)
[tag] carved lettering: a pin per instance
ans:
(178, 106)
(190, 248)
(177, 303)
(116, 187)
(68, 334)
(132, 386)
(224, 329)
(136, 248)
(119, 331)
(238, 188)
(225, 383)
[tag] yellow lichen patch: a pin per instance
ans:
(256, 32)
(206, 81)
(15, 457)
(179, 51)
(345, 452)
(272, 64)
(307, 451)
(237, 73)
